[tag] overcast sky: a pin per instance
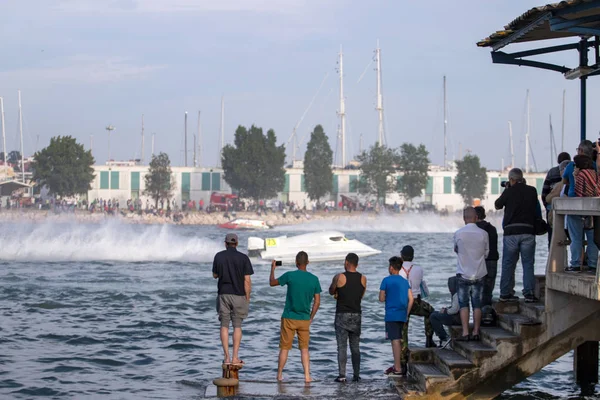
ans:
(84, 64)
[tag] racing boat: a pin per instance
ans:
(245, 224)
(320, 246)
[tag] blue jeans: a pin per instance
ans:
(575, 227)
(348, 327)
(439, 319)
(470, 290)
(513, 247)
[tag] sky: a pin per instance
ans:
(84, 64)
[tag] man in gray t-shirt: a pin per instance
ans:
(233, 270)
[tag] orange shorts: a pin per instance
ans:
(289, 327)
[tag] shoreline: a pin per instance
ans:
(189, 218)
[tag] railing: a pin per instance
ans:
(583, 283)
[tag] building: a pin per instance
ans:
(126, 181)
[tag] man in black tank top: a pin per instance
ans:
(348, 288)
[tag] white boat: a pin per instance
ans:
(245, 224)
(320, 246)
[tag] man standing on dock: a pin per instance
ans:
(349, 289)
(471, 245)
(521, 210)
(303, 288)
(491, 261)
(233, 270)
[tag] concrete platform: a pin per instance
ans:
(584, 284)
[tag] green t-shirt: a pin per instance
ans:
(302, 287)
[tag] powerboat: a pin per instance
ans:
(320, 246)
(245, 224)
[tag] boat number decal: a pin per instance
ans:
(271, 242)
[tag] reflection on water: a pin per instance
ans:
(128, 312)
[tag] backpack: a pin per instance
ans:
(586, 183)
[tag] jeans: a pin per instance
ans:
(489, 281)
(348, 326)
(420, 308)
(575, 227)
(438, 320)
(515, 246)
(470, 290)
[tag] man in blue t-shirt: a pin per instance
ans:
(396, 293)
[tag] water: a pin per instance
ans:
(127, 311)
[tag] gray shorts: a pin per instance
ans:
(232, 308)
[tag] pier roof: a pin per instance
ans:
(552, 21)
(8, 187)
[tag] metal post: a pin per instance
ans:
(445, 127)
(3, 137)
(381, 132)
(21, 134)
(185, 142)
(583, 105)
(143, 152)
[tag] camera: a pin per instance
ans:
(505, 184)
(278, 263)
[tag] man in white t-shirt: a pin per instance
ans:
(414, 275)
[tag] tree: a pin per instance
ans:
(254, 165)
(413, 162)
(64, 167)
(378, 164)
(471, 179)
(14, 158)
(159, 179)
(318, 158)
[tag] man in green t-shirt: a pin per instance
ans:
(297, 316)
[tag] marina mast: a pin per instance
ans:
(185, 150)
(445, 126)
(142, 156)
(21, 134)
(199, 155)
(379, 108)
(562, 142)
(512, 149)
(527, 135)
(222, 130)
(342, 111)
(3, 137)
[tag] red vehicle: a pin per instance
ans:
(220, 201)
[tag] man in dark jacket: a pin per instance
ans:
(491, 262)
(552, 178)
(521, 210)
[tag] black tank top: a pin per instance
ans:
(350, 295)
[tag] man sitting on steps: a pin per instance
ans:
(446, 316)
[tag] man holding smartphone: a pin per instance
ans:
(303, 289)
(233, 270)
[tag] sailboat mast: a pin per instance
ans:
(142, 155)
(3, 137)
(152, 144)
(512, 148)
(527, 135)
(562, 141)
(199, 142)
(342, 112)
(380, 130)
(185, 150)
(21, 134)
(551, 138)
(222, 130)
(445, 126)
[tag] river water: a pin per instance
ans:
(121, 311)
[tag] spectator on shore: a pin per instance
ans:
(491, 261)
(303, 288)
(471, 245)
(553, 177)
(233, 270)
(447, 316)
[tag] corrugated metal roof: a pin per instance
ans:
(537, 20)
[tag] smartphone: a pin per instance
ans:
(278, 263)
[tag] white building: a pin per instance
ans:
(126, 181)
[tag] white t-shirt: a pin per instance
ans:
(472, 246)
(414, 275)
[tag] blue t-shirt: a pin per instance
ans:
(569, 175)
(396, 297)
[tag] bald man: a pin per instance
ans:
(471, 244)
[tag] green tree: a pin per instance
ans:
(14, 158)
(413, 162)
(254, 165)
(377, 166)
(64, 167)
(318, 158)
(471, 179)
(159, 179)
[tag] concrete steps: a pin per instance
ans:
(435, 370)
